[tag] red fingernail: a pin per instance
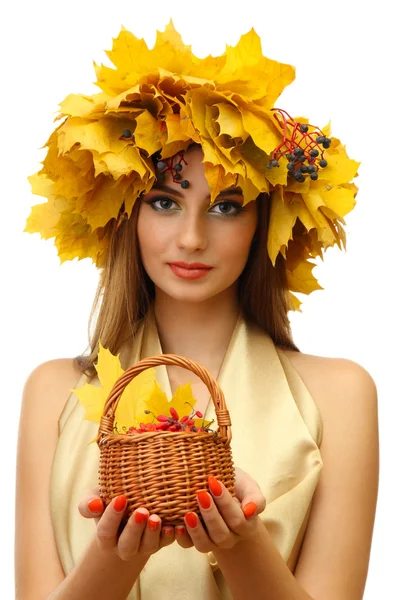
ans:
(120, 503)
(95, 505)
(249, 509)
(191, 519)
(153, 524)
(180, 530)
(214, 486)
(204, 499)
(168, 530)
(140, 517)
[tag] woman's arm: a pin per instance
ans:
(255, 569)
(335, 553)
(99, 575)
(38, 571)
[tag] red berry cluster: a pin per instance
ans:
(172, 423)
(143, 427)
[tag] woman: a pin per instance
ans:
(188, 272)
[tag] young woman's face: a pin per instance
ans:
(177, 225)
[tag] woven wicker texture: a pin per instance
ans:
(162, 470)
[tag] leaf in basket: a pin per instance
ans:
(134, 398)
(182, 395)
(156, 402)
(93, 397)
(108, 368)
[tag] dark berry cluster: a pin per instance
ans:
(163, 166)
(302, 163)
(302, 148)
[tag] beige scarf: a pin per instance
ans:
(276, 434)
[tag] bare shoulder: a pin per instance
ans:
(64, 367)
(58, 375)
(339, 386)
(319, 371)
(38, 569)
(47, 388)
(335, 554)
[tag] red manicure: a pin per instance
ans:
(214, 486)
(191, 519)
(204, 499)
(120, 503)
(95, 505)
(153, 525)
(140, 517)
(250, 509)
(180, 530)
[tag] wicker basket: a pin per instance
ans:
(162, 470)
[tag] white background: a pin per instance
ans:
(345, 56)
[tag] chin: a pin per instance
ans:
(192, 296)
(197, 293)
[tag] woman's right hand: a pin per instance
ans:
(143, 533)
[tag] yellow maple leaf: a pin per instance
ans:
(131, 402)
(183, 400)
(148, 134)
(217, 179)
(156, 402)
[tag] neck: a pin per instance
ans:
(199, 330)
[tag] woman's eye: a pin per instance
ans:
(161, 203)
(228, 208)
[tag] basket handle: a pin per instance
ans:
(217, 395)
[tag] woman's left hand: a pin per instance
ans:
(228, 520)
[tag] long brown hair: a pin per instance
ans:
(125, 291)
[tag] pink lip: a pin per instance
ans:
(193, 265)
(188, 273)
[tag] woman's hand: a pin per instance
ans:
(143, 533)
(228, 520)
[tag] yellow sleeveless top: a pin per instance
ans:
(276, 434)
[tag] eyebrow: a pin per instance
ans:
(166, 188)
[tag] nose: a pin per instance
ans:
(192, 235)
